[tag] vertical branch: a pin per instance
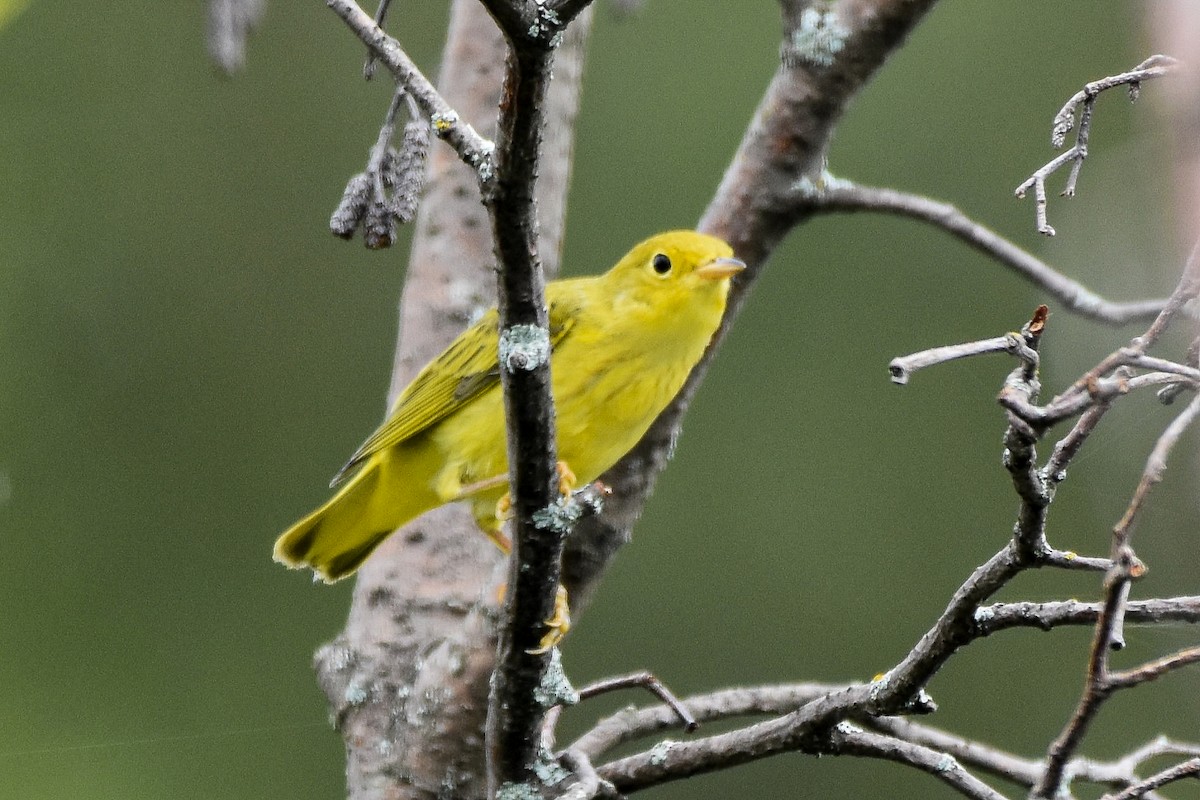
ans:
(408, 678)
(1097, 687)
(515, 718)
(529, 413)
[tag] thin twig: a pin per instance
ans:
(985, 757)
(641, 680)
(1096, 687)
(1120, 774)
(630, 724)
(1012, 343)
(903, 367)
(372, 59)
(1192, 358)
(1049, 615)
(1156, 464)
(836, 194)
(1124, 772)
(1153, 67)
(1155, 669)
(1068, 447)
(848, 739)
(647, 681)
(1186, 769)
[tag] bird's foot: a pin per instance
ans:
(566, 479)
(558, 624)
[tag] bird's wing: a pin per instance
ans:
(464, 370)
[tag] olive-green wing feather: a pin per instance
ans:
(464, 370)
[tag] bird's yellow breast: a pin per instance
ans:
(612, 376)
(622, 346)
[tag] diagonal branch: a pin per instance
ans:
(1152, 670)
(848, 739)
(1186, 769)
(636, 723)
(1156, 465)
(835, 194)
(1096, 689)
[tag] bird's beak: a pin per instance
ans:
(720, 268)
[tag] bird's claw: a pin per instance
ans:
(558, 624)
(566, 479)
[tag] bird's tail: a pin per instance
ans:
(336, 538)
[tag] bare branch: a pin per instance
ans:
(1121, 773)
(1013, 343)
(1049, 615)
(992, 760)
(1068, 447)
(588, 783)
(1153, 67)
(408, 679)
(631, 723)
(836, 194)
(898, 691)
(647, 681)
(1066, 559)
(1096, 686)
(372, 60)
(1186, 769)
(1156, 464)
(903, 367)
(540, 524)
(848, 739)
(1153, 670)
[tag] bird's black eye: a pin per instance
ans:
(662, 264)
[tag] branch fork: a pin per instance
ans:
(1156, 66)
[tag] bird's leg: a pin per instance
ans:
(558, 624)
(560, 621)
(495, 530)
(566, 479)
(478, 486)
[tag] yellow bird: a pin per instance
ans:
(622, 345)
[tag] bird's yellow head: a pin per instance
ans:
(674, 271)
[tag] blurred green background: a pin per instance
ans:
(187, 355)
